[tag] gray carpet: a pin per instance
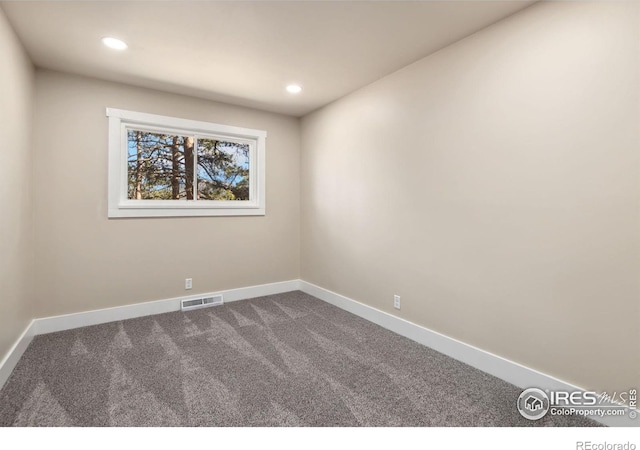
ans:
(281, 360)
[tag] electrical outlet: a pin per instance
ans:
(396, 301)
(188, 283)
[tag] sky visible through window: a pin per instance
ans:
(161, 167)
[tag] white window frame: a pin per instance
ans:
(119, 205)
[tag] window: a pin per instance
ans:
(163, 166)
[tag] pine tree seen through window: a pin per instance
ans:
(173, 167)
(179, 167)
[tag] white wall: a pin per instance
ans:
(16, 91)
(494, 185)
(86, 261)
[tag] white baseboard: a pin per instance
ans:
(233, 295)
(96, 317)
(512, 372)
(12, 357)
(509, 371)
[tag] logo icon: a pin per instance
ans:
(533, 404)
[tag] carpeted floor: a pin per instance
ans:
(281, 360)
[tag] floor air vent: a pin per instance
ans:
(197, 303)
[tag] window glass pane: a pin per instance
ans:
(160, 166)
(223, 170)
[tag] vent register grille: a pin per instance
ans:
(204, 302)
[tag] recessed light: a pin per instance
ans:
(294, 89)
(114, 43)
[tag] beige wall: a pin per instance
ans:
(86, 262)
(16, 98)
(494, 185)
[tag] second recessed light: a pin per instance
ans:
(294, 89)
(114, 43)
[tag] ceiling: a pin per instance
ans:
(244, 52)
